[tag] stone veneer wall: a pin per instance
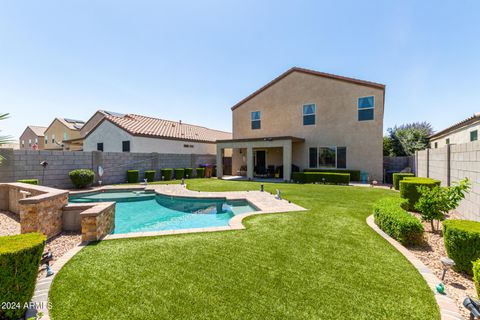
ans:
(98, 221)
(25, 164)
(453, 163)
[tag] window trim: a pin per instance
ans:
(447, 141)
(259, 120)
(371, 108)
(98, 144)
(476, 135)
(318, 157)
(129, 146)
(314, 114)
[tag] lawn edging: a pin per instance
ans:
(446, 305)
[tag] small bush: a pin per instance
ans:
(81, 178)
(132, 176)
(462, 242)
(179, 173)
(188, 173)
(149, 175)
(200, 172)
(409, 191)
(396, 222)
(397, 177)
(167, 174)
(29, 181)
(476, 276)
(322, 177)
(19, 260)
(354, 174)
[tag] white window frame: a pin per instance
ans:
(260, 119)
(314, 113)
(358, 108)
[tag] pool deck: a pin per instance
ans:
(263, 201)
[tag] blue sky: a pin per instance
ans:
(193, 60)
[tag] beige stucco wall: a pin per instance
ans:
(337, 122)
(27, 135)
(92, 122)
(459, 136)
(57, 128)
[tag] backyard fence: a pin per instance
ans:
(25, 164)
(396, 164)
(453, 163)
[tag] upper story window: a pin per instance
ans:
(126, 146)
(436, 145)
(36, 140)
(29, 142)
(256, 120)
(100, 146)
(46, 139)
(65, 136)
(447, 141)
(474, 135)
(53, 138)
(309, 111)
(366, 108)
(23, 143)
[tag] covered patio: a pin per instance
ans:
(266, 157)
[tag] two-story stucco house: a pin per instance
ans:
(60, 130)
(32, 138)
(308, 119)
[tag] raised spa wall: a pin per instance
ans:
(47, 211)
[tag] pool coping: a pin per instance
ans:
(447, 307)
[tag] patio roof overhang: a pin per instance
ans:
(291, 138)
(262, 142)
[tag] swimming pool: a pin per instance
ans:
(142, 211)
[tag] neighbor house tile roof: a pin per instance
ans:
(159, 128)
(473, 119)
(38, 130)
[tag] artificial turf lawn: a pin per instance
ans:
(325, 263)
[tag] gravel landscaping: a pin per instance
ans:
(59, 245)
(9, 224)
(458, 285)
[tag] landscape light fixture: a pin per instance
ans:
(473, 306)
(447, 264)
(44, 165)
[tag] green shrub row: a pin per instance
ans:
(409, 191)
(188, 173)
(200, 172)
(19, 260)
(396, 222)
(397, 177)
(29, 181)
(132, 176)
(354, 174)
(179, 173)
(462, 242)
(476, 276)
(149, 175)
(323, 177)
(81, 178)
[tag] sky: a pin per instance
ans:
(193, 60)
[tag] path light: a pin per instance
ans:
(163, 178)
(447, 264)
(100, 174)
(183, 181)
(44, 164)
(261, 188)
(279, 195)
(323, 180)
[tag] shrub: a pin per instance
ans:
(167, 174)
(354, 174)
(132, 176)
(179, 173)
(149, 175)
(81, 178)
(200, 172)
(462, 242)
(396, 222)
(476, 276)
(326, 177)
(188, 172)
(397, 177)
(19, 260)
(409, 191)
(29, 181)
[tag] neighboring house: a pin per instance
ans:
(136, 133)
(308, 119)
(60, 130)
(32, 138)
(461, 132)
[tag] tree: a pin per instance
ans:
(435, 202)
(387, 146)
(404, 140)
(3, 139)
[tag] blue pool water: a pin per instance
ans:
(144, 211)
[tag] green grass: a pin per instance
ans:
(325, 263)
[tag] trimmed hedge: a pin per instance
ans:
(167, 174)
(81, 178)
(327, 177)
(19, 260)
(179, 173)
(200, 172)
(29, 181)
(397, 177)
(476, 276)
(354, 174)
(149, 175)
(408, 189)
(396, 222)
(132, 176)
(462, 242)
(188, 173)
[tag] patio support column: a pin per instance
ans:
(250, 164)
(219, 162)
(287, 160)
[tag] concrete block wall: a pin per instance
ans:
(25, 164)
(453, 163)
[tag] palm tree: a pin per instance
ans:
(4, 139)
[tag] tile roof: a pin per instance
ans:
(458, 125)
(159, 128)
(38, 130)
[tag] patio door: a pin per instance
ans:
(260, 162)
